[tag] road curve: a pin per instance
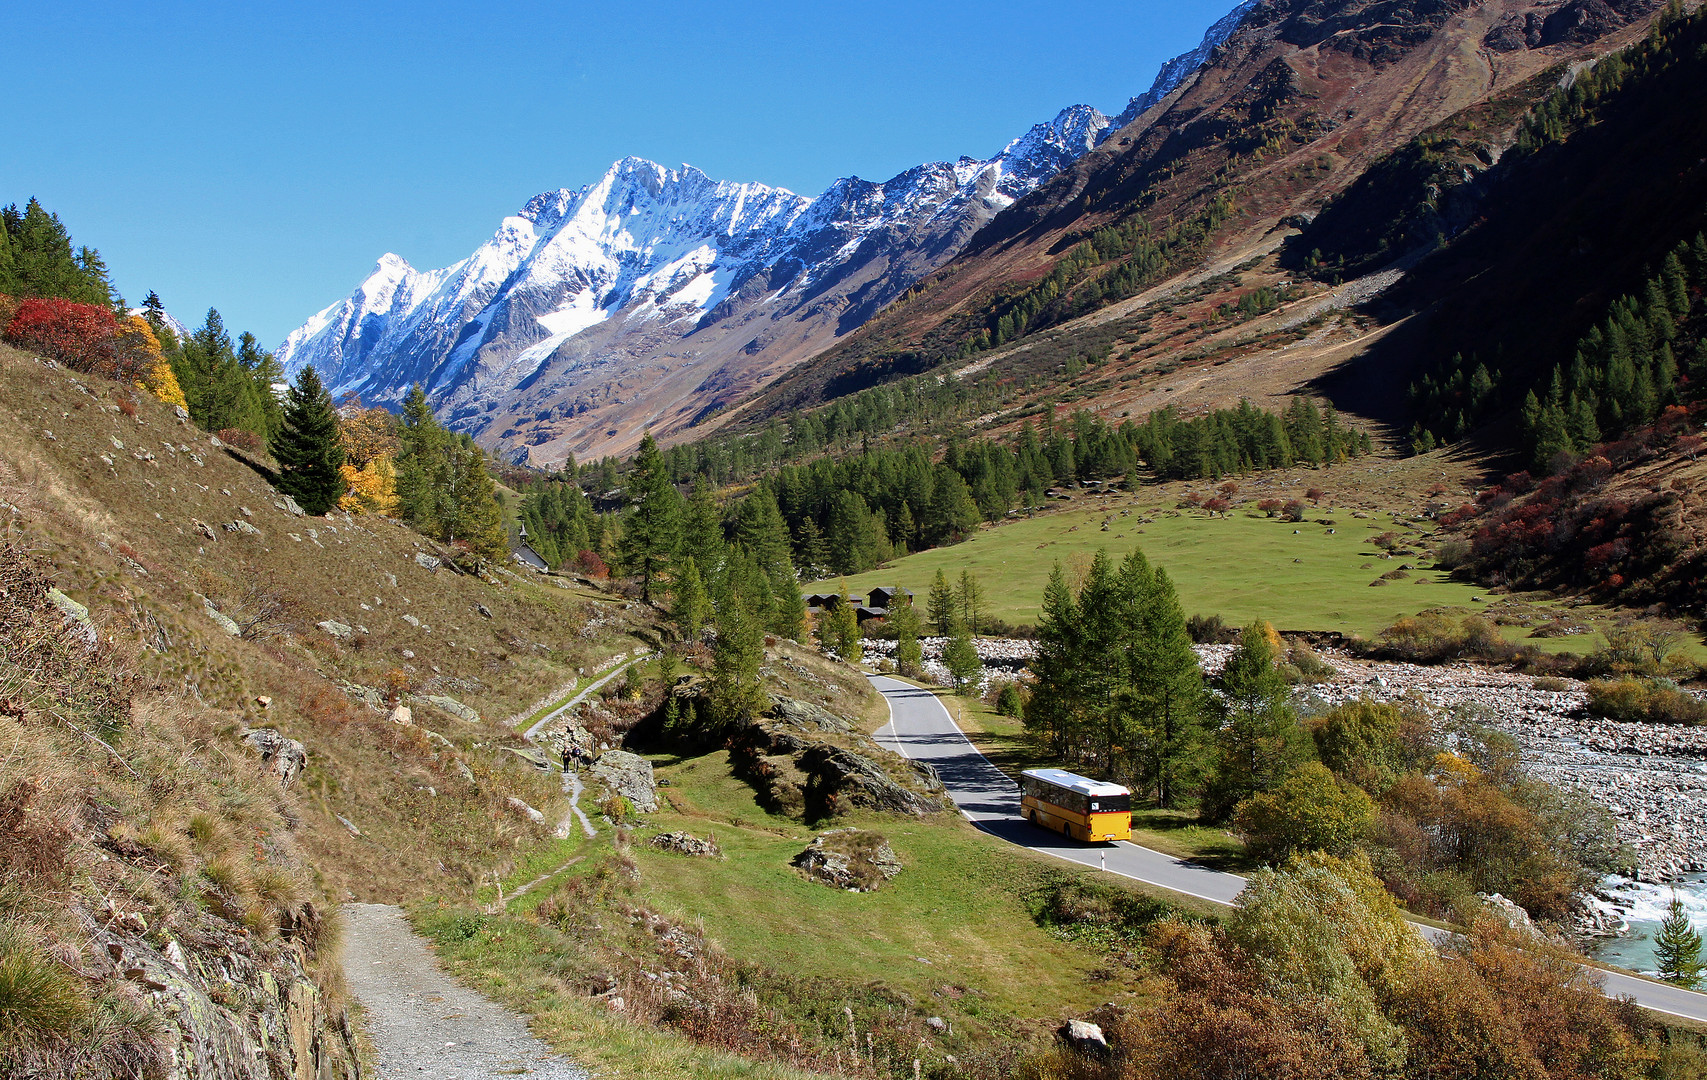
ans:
(921, 728)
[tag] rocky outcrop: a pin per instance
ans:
(809, 762)
(852, 859)
(630, 776)
(1576, 23)
(233, 1008)
(452, 706)
(687, 844)
(284, 758)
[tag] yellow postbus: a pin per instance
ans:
(1075, 805)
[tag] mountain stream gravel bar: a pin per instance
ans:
(423, 1025)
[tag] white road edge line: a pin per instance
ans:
(901, 749)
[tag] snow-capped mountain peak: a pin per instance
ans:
(667, 288)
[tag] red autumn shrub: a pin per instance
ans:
(589, 563)
(242, 439)
(80, 336)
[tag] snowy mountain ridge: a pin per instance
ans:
(600, 300)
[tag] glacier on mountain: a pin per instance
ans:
(587, 300)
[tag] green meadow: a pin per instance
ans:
(1299, 576)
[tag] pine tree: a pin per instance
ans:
(941, 604)
(692, 606)
(788, 620)
(839, 630)
(477, 520)
(1166, 700)
(423, 443)
(969, 600)
(737, 687)
(814, 560)
(307, 446)
(1051, 713)
(960, 656)
(1677, 947)
(702, 526)
(650, 531)
(1260, 741)
(909, 655)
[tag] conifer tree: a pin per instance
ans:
(692, 606)
(650, 531)
(941, 604)
(1166, 699)
(702, 526)
(788, 619)
(307, 446)
(1051, 711)
(1677, 947)
(1260, 740)
(814, 556)
(423, 441)
(960, 657)
(969, 600)
(909, 655)
(476, 520)
(839, 630)
(737, 687)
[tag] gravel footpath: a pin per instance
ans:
(422, 1024)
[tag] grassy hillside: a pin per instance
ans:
(997, 943)
(137, 514)
(1311, 575)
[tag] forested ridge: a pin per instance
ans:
(1640, 355)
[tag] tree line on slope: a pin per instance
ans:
(848, 514)
(1640, 358)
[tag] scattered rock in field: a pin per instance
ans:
(688, 844)
(74, 613)
(282, 757)
(1086, 1038)
(241, 526)
(485, 612)
(402, 714)
(205, 529)
(853, 859)
(525, 810)
(938, 1024)
(427, 562)
(630, 776)
(348, 824)
(452, 706)
(221, 620)
(335, 628)
(289, 506)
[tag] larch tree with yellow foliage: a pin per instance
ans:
(369, 438)
(138, 350)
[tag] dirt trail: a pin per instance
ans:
(423, 1025)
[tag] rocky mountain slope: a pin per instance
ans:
(654, 297)
(1187, 206)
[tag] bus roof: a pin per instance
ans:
(1084, 785)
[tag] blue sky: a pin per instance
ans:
(259, 158)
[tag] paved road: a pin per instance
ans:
(920, 728)
(422, 1024)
